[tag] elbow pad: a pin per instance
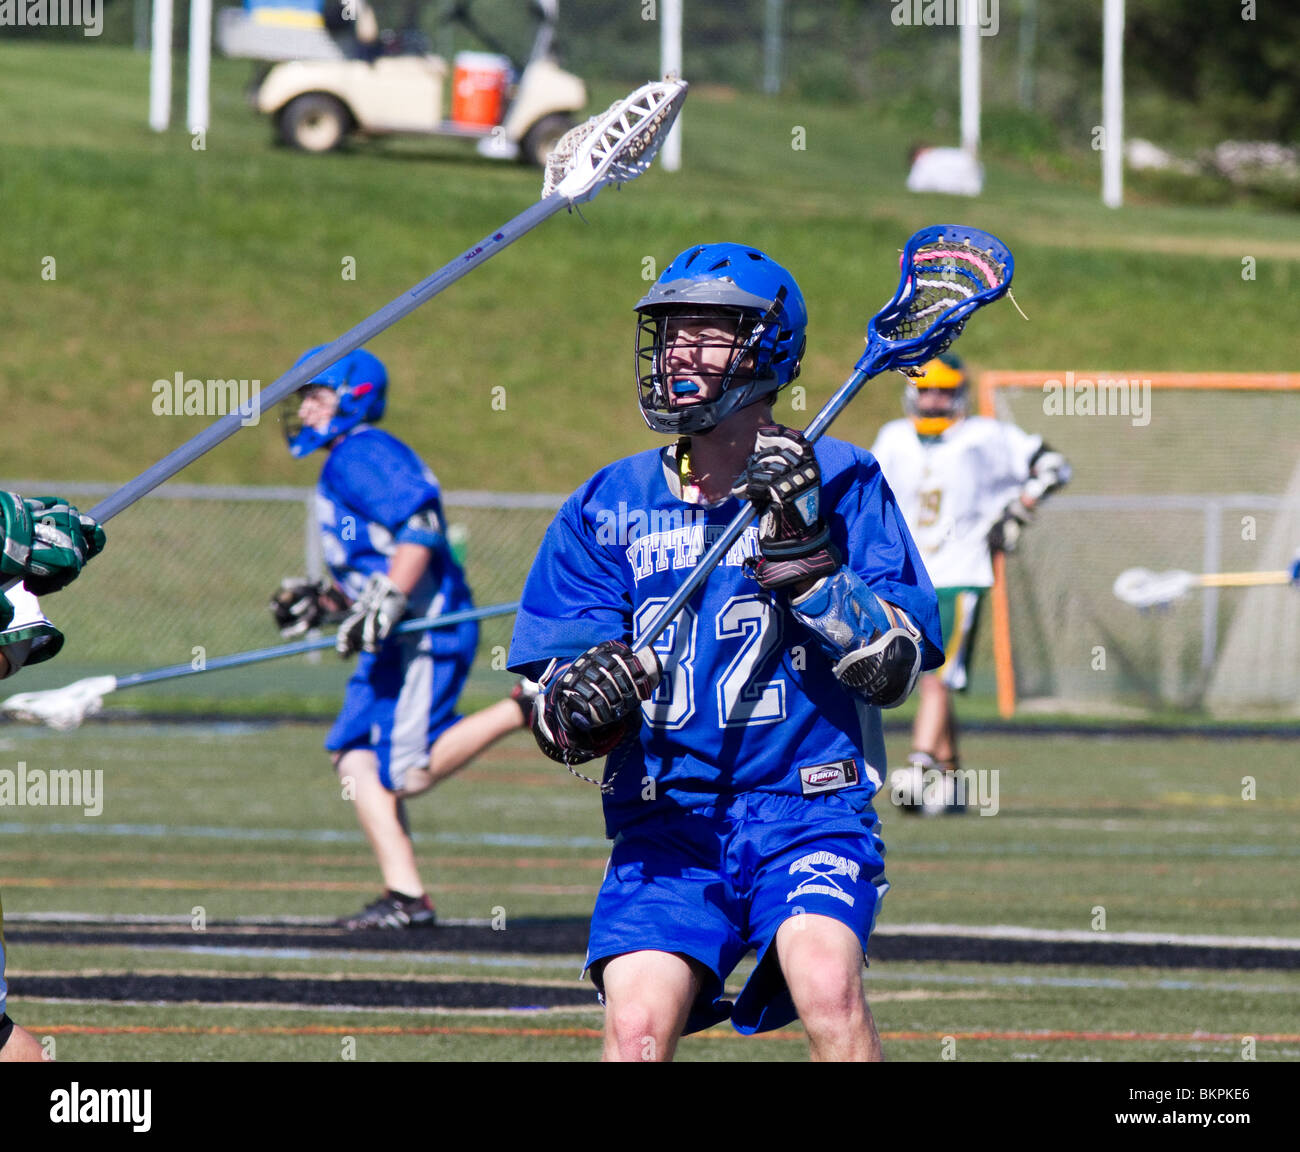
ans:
(424, 527)
(876, 648)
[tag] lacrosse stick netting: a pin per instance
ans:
(616, 146)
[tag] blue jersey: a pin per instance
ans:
(370, 488)
(748, 700)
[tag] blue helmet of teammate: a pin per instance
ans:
(743, 318)
(359, 380)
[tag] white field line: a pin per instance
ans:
(1050, 935)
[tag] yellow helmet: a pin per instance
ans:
(945, 375)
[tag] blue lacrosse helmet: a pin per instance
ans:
(360, 381)
(763, 315)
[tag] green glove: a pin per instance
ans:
(6, 612)
(46, 541)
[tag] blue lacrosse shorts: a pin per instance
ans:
(402, 698)
(715, 884)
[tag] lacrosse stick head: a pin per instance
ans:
(616, 146)
(61, 708)
(948, 272)
(1144, 589)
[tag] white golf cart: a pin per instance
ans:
(336, 74)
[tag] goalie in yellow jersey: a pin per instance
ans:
(44, 543)
(966, 485)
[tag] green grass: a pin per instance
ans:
(227, 262)
(1153, 831)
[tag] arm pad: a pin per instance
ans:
(875, 646)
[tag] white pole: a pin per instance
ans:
(772, 17)
(1112, 105)
(970, 77)
(196, 98)
(670, 64)
(160, 67)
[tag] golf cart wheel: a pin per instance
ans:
(540, 140)
(314, 122)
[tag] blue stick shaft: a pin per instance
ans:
(239, 659)
(713, 557)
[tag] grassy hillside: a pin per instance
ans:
(227, 262)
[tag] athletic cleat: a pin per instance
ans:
(954, 797)
(391, 911)
(921, 787)
(907, 784)
(523, 694)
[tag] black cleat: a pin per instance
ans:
(391, 911)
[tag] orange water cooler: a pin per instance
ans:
(478, 88)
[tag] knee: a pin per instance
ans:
(822, 965)
(828, 996)
(636, 1031)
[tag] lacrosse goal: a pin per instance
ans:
(1196, 471)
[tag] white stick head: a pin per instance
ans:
(617, 145)
(1146, 589)
(61, 708)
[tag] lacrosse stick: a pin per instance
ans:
(1144, 589)
(65, 708)
(612, 148)
(948, 273)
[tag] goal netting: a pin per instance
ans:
(1192, 471)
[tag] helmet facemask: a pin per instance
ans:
(359, 383)
(759, 317)
(938, 397)
(685, 350)
(297, 432)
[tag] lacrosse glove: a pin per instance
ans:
(1005, 533)
(300, 605)
(782, 479)
(46, 541)
(372, 617)
(594, 704)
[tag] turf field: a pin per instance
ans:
(1149, 895)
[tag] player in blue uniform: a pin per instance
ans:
(384, 541)
(44, 542)
(744, 755)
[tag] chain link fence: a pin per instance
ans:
(189, 571)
